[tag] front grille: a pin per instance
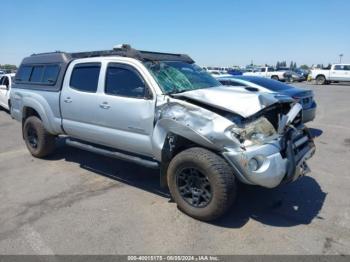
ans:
(299, 138)
(300, 144)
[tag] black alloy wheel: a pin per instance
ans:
(194, 187)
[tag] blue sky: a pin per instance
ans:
(218, 32)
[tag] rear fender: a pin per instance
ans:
(42, 108)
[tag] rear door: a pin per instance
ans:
(337, 73)
(346, 72)
(79, 104)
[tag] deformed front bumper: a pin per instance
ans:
(282, 160)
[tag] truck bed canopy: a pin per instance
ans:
(63, 59)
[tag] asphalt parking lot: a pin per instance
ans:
(77, 202)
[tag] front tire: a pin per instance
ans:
(201, 183)
(39, 142)
(275, 78)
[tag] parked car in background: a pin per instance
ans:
(269, 72)
(295, 77)
(336, 73)
(219, 73)
(304, 96)
(235, 72)
(280, 69)
(6, 81)
(303, 72)
(162, 111)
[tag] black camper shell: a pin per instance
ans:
(46, 71)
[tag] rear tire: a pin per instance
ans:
(321, 80)
(275, 78)
(201, 183)
(39, 142)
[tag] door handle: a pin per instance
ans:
(105, 105)
(68, 100)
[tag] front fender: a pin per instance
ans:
(191, 122)
(166, 126)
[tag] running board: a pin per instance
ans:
(113, 154)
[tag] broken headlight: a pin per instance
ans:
(259, 131)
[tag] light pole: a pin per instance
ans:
(340, 57)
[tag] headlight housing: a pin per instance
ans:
(259, 131)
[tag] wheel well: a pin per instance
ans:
(275, 76)
(27, 112)
(321, 75)
(173, 145)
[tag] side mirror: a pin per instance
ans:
(3, 87)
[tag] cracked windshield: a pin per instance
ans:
(177, 77)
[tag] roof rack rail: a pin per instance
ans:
(126, 51)
(122, 50)
(47, 53)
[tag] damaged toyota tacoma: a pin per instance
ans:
(162, 111)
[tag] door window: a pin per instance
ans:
(123, 80)
(85, 77)
(339, 67)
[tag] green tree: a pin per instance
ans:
(8, 68)
(291, 65)
(305, 67)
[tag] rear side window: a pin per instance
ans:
(125, 81)
(51, 74)
(24, 73)
(37, 74)
(85, 77)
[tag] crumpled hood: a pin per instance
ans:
(237, 100)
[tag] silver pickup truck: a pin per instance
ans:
(162, 111)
